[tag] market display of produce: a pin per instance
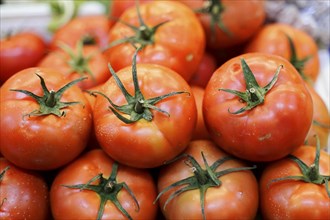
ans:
(156, 109)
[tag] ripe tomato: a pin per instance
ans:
(116, 8)
(204, 71)
(200, 131)
(140, 129)
(20, 51)
(171, 35)
(321, 120)
(23, 195)
(113, 178)
(284, 198)
(270, 119)
(226, 22)
(231, 195)
(274, 39)
(47, 133)
(82, 61)
(92, 29)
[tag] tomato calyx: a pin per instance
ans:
(50, 102)
(310, 174)
(214, 8)
(108, 190)
(202, 178)
(299, 64)
(144, 35)
(254, 94)
(78, 62)
(137, 106)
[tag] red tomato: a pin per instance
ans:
(157, 131)
(270, 119)
(92, 29)
(236, 196)
(200, 131)
(74, 203)
(295, 199)
(178, 43)
(226, 22)
(273, 38)
(204, 71)
(82, 61)
(321, 120)
(23, 195)
(32, 140)
(20, 51)
(116, 8)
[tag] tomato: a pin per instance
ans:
(91, 29)
(151, 122)
(116, 8)
(46, 130)
(226, 22)
(321, 120)
(284, 198)
(275, 38)
(204, 71)
(268, 118)
(82, 61)
(229, 190)
(133, 189)
(23, 195)
(200, 131)
(20, 51)
(171, 35)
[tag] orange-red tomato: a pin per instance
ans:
(146, 143)
(42, 142)
(200, 131)
(321, 120)
(235, 198)
(23, 193)
(273, 39)
(178, 43)
(276, 119)
(20, 51)
(204, 71)
(87, 61)
(234, 21)
(74, 203)
(295, 199)
(91, 29)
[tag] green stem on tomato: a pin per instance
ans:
(202, 178)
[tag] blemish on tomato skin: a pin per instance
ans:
(266, 136)
(189, 57)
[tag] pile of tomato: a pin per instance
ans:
(164, 110)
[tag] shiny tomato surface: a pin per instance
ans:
(273, 128)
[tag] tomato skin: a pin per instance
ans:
(20, 51)
(269, 131)
(241, 18)
(205, 70)
(158, 140)
(67, 203)
(200, 129)
(23, 195)
(42, 142)
(95, 26)
(97, 64)
(118, 7)
(272, 38)
(174, 45)
(321, 115)
(236, 197)
(294, 199)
